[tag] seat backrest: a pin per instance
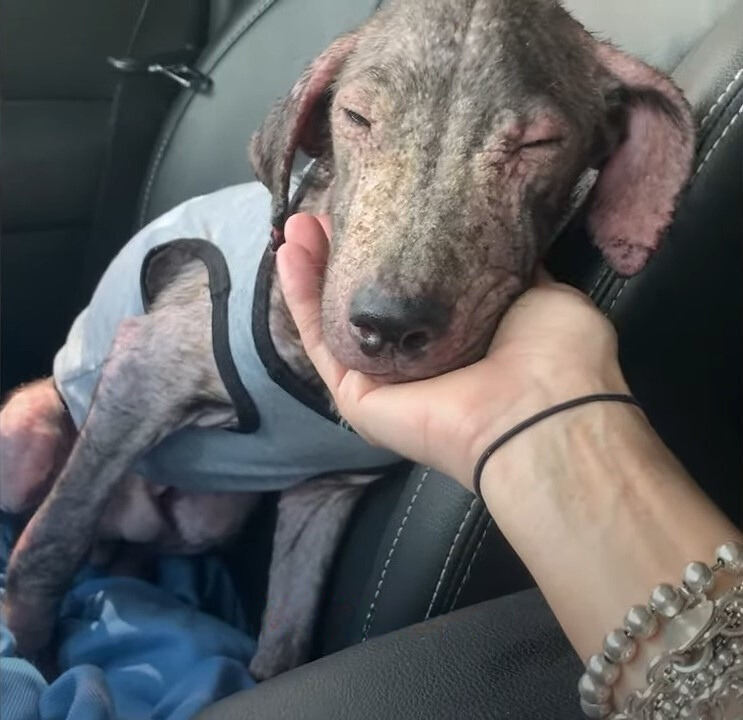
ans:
(257, 59)
(660, 32)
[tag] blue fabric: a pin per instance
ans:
(134, 650)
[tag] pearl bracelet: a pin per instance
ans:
(701, 671)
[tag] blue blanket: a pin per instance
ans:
(134, 650)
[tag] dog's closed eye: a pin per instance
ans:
(544, 133)
(356, 118)
(541, 143)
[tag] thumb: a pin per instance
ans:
(300, 262)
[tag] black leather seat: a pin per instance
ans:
(420, 545)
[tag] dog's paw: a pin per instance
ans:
(31, 621)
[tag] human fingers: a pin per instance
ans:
(300, 262)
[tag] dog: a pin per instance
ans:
(447, 137)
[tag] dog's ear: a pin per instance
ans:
(653, 146)
(298, 121)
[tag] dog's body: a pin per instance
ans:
(182, 505)
(445, 155)
(284, 432)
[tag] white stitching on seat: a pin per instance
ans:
(595, 285)
(448, 558)
(373, 606)
(618, 295)
(718, 141)
(168, 135)
(466, 575)
(706, 118)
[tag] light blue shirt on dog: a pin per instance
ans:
(287, 434)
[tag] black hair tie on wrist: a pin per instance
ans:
(534, 419)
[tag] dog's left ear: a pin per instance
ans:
(297, 121)
(636, 192)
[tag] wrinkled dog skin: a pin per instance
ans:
(448, 135)
(452, 137)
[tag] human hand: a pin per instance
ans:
(552, 345)
(594, 504)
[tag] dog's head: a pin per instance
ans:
(454, 131)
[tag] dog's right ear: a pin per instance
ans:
(296, 121)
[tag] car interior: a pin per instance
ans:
(114, 112)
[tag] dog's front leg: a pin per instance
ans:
(310, 524)
(139, 400)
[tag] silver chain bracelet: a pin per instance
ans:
(699, 674)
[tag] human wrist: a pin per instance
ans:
(603, 488)
(539, 392)
(570, 449)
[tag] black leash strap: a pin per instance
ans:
(277, 230)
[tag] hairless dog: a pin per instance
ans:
(447, 137)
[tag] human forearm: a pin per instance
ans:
(600, 512)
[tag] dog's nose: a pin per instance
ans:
(407, 325)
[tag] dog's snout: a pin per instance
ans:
(382, 323)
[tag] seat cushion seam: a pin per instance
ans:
(459, 564)
(720, 98)
(449, 556)
(599, 277)
(618, 295)
(711, 151)
(467, 572)
(372, 607)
